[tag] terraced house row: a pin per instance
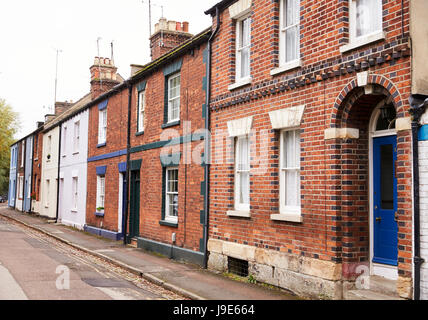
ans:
(287, 142)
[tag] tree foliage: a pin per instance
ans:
(9, 125)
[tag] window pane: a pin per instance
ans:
(290, 12)
(368, 16)
(291, 44)
(244, 182)
(245, 33)
(243, 154)
(245, 62)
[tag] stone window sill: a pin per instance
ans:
(238, 213)
(140, 133)
(286, 67)
(100, 145)
(168, 223)
(289, 217)
(240, 83)
(362, 41)
(99, 214)
(171, 124)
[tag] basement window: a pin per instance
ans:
(237, 266)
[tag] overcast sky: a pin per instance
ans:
(32, 31)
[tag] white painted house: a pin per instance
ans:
(49, 180)
(73, 165)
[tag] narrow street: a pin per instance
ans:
(34, 266)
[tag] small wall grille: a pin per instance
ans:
(237, 266)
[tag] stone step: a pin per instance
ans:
(383, 285)
(368, 295)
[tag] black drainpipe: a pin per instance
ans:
(207, 141)
(57, 181)
(128, 148)
(418, 105)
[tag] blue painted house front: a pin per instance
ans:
(12, 176)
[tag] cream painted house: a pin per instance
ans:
(49, 180)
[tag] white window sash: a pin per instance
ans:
(288, 169)
(240, 49)
(240, 172)
(283, 33)
(76, 136)
(173, 99)
(168, 194)
(64, 142)
(102, 126)
(75, 192)
(100, 191)
(374, 9)
(141, 110)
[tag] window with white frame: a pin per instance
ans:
(289, 40)
(49, 148)
(243, 48)
(141, 110)
(76, 137)
(290, 172)
(174, 84)
(29, 188)
(64, 142)
(100, 192)
(47, 191)
(74, 193)
(242, 173)
(102, 126)
(171, 196)
(22, 153)
(21, 187)
(365, 18)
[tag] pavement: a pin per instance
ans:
(188, 280)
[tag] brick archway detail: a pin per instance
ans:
(350, 93)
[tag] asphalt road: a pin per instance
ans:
(34, 266)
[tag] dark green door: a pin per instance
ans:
(134, 217)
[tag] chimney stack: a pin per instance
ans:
(103, 76)
(167, 36)
(61, 107)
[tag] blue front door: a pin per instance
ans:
(385, 200)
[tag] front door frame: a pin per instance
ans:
(386, 271)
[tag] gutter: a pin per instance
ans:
(128, 161)
(207, 141)
(418, 104)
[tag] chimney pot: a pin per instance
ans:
(186, 26)
(178, 26)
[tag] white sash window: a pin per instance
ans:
(289, 31)
(174, 83)
(243, 44)
(242, 174)
(290, 172)
(171, 208)
(102, 126)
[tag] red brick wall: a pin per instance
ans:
(117, 122)
(37, 164)
(192, 98)
(335, 213)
